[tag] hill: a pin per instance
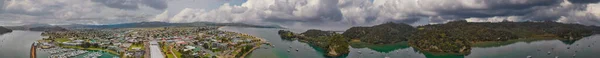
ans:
(37, 27)
(381, 34)
(459, 36)
(334, 44)
(455, 37)
(164, 24)
(4, 30)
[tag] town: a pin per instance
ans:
(160, 42)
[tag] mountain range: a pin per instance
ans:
(47, 27)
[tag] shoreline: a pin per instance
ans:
(262, 41)
(251, 50)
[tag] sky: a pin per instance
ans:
(312, 14)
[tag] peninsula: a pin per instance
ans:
(456, 37)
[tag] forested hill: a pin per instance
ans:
(453, 37)
(4, 30)
(457, 36)
(381, 34)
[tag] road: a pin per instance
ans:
(155, 50)
(172, 53)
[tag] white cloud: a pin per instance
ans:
(69, 12)
(161, 17)
(297, 13)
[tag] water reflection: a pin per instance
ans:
(16, 44)
(509, 49)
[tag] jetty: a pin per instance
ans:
(32, 53)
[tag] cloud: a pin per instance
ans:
(19, 12)
(365, 12)
(305, 13)
(278, 11)
(161, 17)
(584, 1)
(134, 4)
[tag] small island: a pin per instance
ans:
(334, 44)
(456, 37)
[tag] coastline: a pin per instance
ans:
(262, 41)
(251, 50)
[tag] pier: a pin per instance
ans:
(32, 53)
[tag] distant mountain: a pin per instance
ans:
(163, 24)
(47, 27)
(37, 27)
(4, 30)
(381, 34)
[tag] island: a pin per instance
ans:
(4, 30)
(456, 37)
(386, 33)
(334, 44)
(172, 42)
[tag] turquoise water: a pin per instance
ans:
(512, 50)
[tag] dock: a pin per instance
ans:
(32, 53)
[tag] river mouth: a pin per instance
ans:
(506, 49)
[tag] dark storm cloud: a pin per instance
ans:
(133, 4)
(584, 1)
(326, 12)
(121, 4)
(156, 4)
(498, 8)
(363, 12)
(407, 21)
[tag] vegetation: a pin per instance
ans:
(335, 44)
(386, 33)
(459, 36)
(4, 30)
(455, 37)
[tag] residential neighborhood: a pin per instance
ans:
(163, 42)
